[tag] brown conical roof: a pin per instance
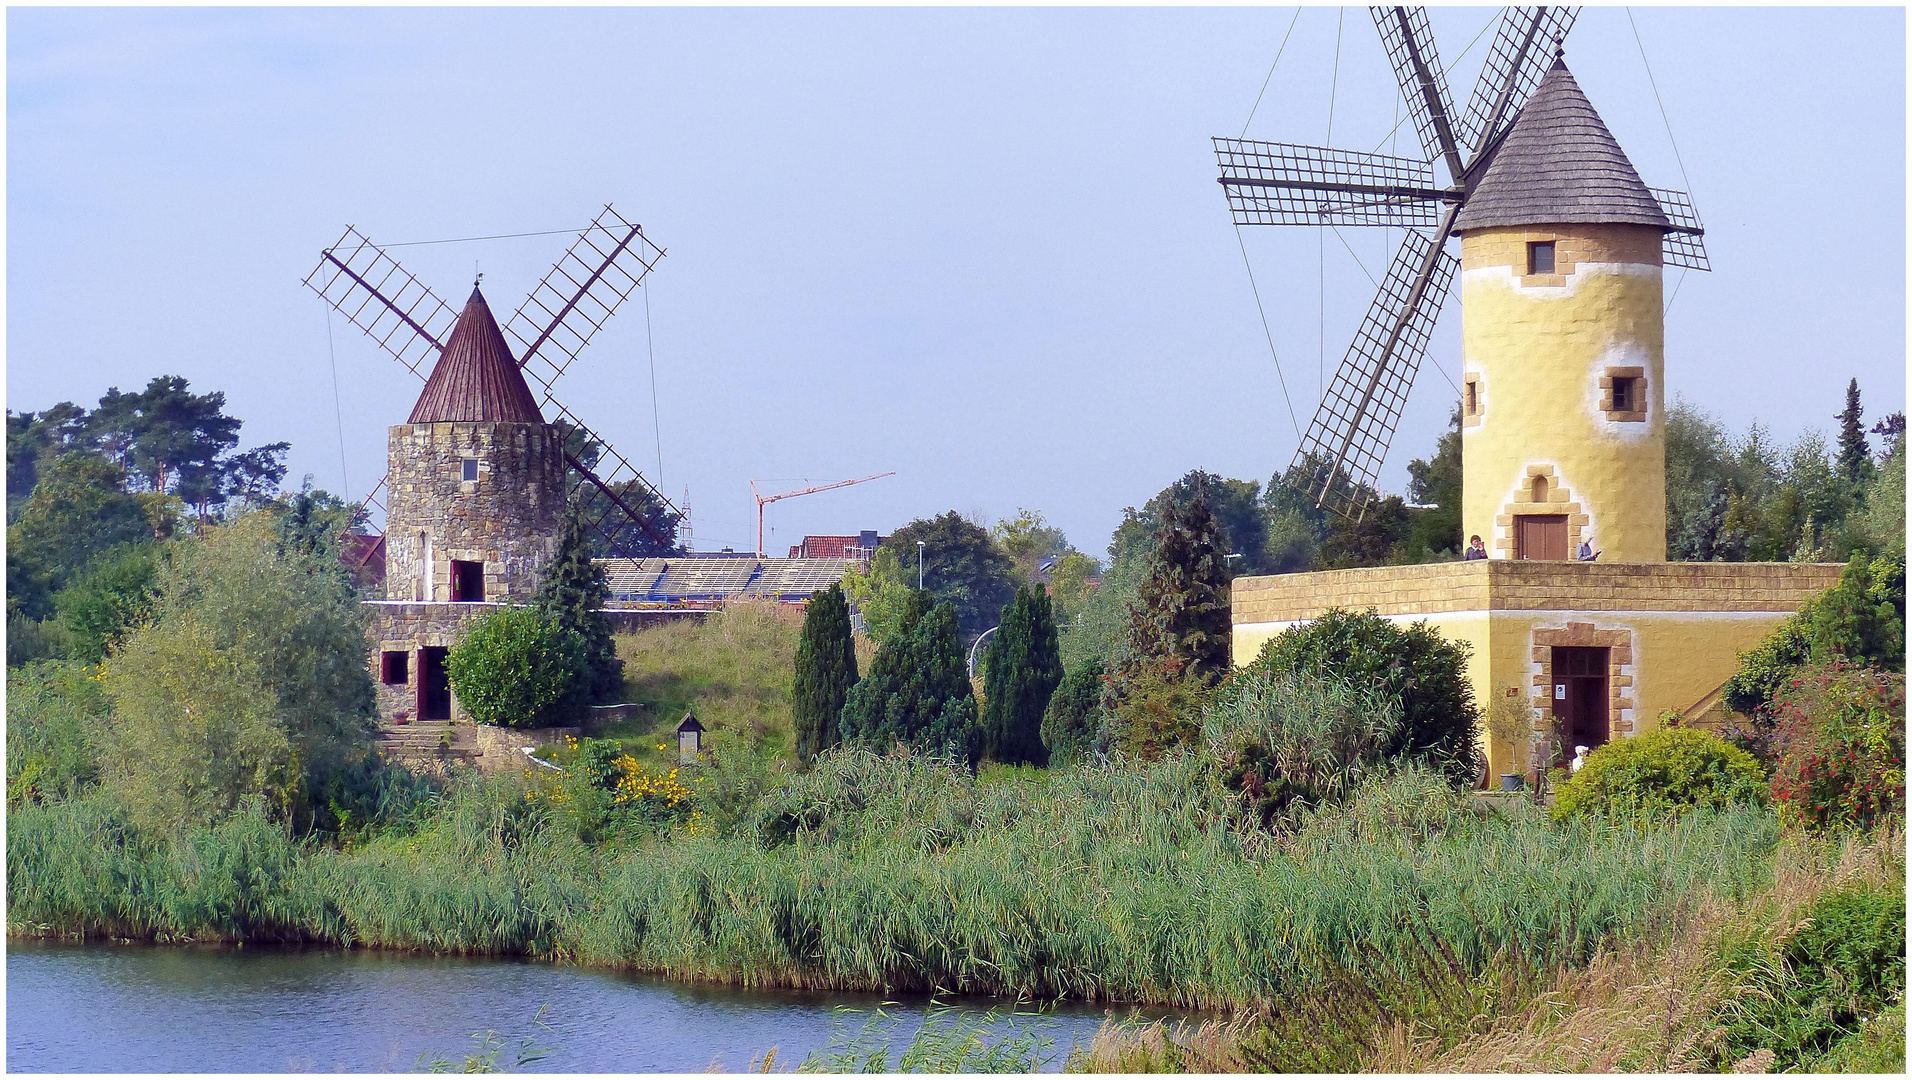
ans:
(1559, 165)
(476, 377)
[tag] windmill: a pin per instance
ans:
(1267, 183)
(604, 266)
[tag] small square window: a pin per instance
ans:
(1540, 257)
(471, 469)
(1623, 395)
(393, 668)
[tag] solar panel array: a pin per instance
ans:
(667, 581)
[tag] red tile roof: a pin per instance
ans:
(476, 377)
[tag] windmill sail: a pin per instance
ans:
(1515, 63)
(605, 265)
(1682, 245)
(1351, 429)
(367, 286)
(1286, 184)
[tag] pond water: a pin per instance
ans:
(112, 1008)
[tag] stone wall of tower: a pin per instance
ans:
(1541, 354)
(508, 518)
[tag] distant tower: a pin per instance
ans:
(477, 477)
(1563, 405)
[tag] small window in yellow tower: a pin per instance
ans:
(1473, 397)
(1540, 257)
(1623, 395)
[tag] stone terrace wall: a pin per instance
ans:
(1531, 585)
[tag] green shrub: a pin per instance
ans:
(917, 692)
(54, 710)
(1286, 739)
(1021, 670)
(114, 593)
(1839, 736)
(1073, 721)
(1860, 620)
(825, 671)
(517, 667)
(1423, 673)
(1660, 774)
(1805, 994)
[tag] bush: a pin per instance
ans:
(1839, 737)
(1021, 669)
(825, 671)
(1661, 774)
(1283, 738)
(1157, 710)
(1422, 673)
(1860, 620)
(266, 646)
(53, 712)
(1073, 721)
(1845, 963)
(517, 667)
(116, 592)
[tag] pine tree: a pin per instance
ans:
(1022, 667)
(826, 670)
(573, 593)
(1072, 725)
(1855, 455)
(1178, 633)
(917, 693)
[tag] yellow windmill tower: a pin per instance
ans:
(1572, 607)
(1563, 424)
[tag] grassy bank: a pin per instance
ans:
(904, 875)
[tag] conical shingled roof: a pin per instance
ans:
(1559, 165)
(476, 377)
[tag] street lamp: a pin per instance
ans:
(919, 564)
(977, 644)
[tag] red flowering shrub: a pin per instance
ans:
(1839, 734)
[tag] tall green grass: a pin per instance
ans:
(905, 874)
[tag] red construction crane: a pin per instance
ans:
(763, 499)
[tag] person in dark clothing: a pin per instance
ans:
(1475, 549)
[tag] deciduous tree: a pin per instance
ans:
(961, 566)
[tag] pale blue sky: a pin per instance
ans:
(980, 247)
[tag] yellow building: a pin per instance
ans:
(1563, 442)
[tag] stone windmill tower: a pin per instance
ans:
(478, 482)
(476, 475)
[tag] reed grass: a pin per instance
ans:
(1122, 883)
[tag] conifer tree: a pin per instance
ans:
(917, 693)
(573, 594)
(826, 670)
(1855, 455)
(1177, 634)
(1072, 725)
(1022, 666)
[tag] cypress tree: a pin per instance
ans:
(826, 670)
(1073, 722)
(917, 693)
(573, 594)
(1022, 666)
(1855, 455)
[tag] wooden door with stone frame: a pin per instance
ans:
(1580, 697)
(1540, 536)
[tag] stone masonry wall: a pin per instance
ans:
(406, 628)
(1532, 585)
(508, 518)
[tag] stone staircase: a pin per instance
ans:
(428, 741)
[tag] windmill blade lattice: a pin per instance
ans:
(1409, 41)
(1515, 64)
(382, 298)
(615, 521)
(1351, 429)
(605, 265)
(1288, 184)
(1682, 246)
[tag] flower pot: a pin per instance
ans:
(1510, 781)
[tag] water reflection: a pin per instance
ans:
(105, 1008)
